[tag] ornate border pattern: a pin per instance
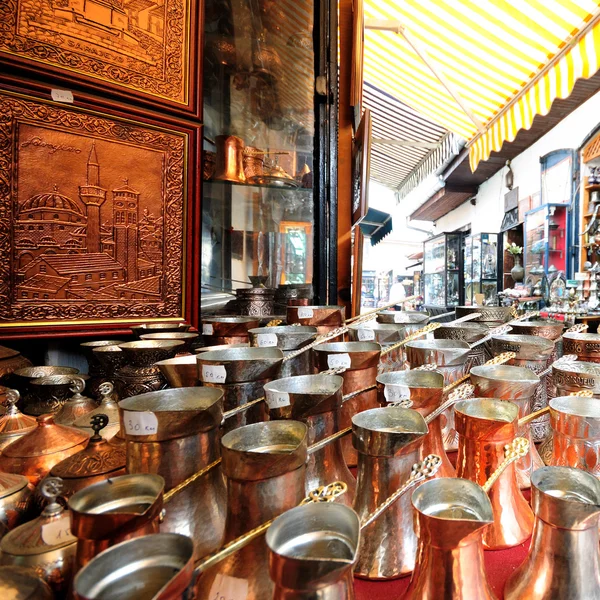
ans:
(172, 144)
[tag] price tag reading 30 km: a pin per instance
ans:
(277, 399)
(305, 313)
(266, 340)
(365, 334)
(58, 532)
(140, 423)
(225, 587)
(339, 361)
(394, 392)
(214, 373)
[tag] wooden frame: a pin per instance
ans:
(87, 153)
(361, 159)
(148, 53)
(357, 263)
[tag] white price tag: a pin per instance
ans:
(394, 392)
(305, 313)
(214, 373)
(278, 399)
(58, 532)
(140, 423)
(266, 340)
(582, 276)
(398, 317)
(366, 335)
(62, 96)
(225, 587)
(339, 361)
(207, 329)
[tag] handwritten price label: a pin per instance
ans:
(207, 329)
(394, 392)
(214, 373)
(399, 318)
(366, 335)
(277, 399)
(339, 361)
(65, 96)
(266, 340)
(58, 532)
(306, 313)
(140, 423)
(225, 587)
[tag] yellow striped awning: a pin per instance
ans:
(481, 68)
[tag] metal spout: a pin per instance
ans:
(181, 371)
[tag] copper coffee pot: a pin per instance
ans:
(315, 400)
(426, 391)
(219, 330)
(388, 442)
(484, 428)
(585, 345)
(181, 371)
(230, 159)
(564, 556)
(174, 434)
(13, 423)
(115, 510)
(324, 318)
(76, 406)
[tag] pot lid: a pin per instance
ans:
(7, 352)
(11, 484)
(98, 458)
(46, 438)
(14, 420)
(49, 532)
(107, 407)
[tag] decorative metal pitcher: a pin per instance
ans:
(174, 434)
(585, 345)
(491, 316)
(388, 441)
(313, 549)
(484, 428)
(316, 400)
(535, 353)
(517, 384)
(451, 516)
(227, 330)
(287, 339)
(241, 374)
(564, 556)
(154, 567)
(360, 360)
(426, 391)
(115, 510)
(96, 369)
(265, 465)
(21, 380)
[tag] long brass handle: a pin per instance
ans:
(413, 336)
(533, 416)
(374, 311)
(326, 493)
(518, 448)
(502, 330)
(497, 360)
(464, 392)
(178, 488)
(420, 471)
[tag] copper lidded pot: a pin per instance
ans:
(107, 407)
(361, 361)
(13, 423)
(77, 405)
(316, 400)
(174, 434)
(265, 466)
(564, 556)
(387, 440)
(426, 391)
(484, 428)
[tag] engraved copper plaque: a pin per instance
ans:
(91, 217)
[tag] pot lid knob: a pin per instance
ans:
(51, 488)
(12, 397)
(98, 422)
(105, 390)
(77, 386)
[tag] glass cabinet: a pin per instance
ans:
(259, 195)
(443, 270)
(546, 242)
(481, 268)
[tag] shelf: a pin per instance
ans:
(278, 188)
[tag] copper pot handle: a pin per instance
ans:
(518, 448)
(542, 411)
(464, 392)
(502, 330)
(413, 336)
(497, 360)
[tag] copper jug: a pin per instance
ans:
(111, 358)
(13, 423)
(360, 360)
(388, 442)
(108, 407)
(426, 391)
(472, 333)
(153, 567)
(564, 556)
(45, 544)
(517, 384)
(575, 424)
(15, 501)
(535, 353)
(21, 583)
(230, 159)
(76, 406)
(114, 510)
(324, 318)
(484, 428)
(181, 371)
(491, 316)
(576, 376)
(450, 515)
(585, 345)
(34, 454)
(175, 433)
(386, 335)
(312, 550)
(316, 400)
(287, 339)
(264, 464)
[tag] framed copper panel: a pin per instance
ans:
(93, 212)
(139, 49)
(361, 164)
